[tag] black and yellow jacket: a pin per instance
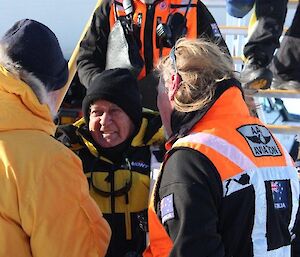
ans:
(120, 186)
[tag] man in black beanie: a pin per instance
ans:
(119, 87)
(44, 198)
(119, 145)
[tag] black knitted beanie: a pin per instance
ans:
(117, 86)
(35, 47)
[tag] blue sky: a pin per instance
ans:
(66, 18)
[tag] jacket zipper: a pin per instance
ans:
(148, 40)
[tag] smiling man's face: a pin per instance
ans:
(109, 125)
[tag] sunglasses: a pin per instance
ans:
(161, 85)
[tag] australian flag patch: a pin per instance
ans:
(167, 208)
(215, 30)
(280, 193)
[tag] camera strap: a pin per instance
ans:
(187, 8)
(175, 27)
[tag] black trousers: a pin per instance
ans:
(265, 39)
(286, 62)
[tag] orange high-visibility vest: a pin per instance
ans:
(224, 140)
(161, 13)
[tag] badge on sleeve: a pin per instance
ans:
(167, 208)
(215, 30)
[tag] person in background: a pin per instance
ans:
(156, 25)
(118, 144)
(227, 187)
(263, 70)
(45, 206)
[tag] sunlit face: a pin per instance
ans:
(164, 105)
(109, 125)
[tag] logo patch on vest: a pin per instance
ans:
(139, 164)
(167, 208)
(279, 191)
(260, 140)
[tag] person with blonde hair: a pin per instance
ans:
(227, 187)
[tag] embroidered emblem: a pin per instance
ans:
(215, 30)
(260, 140)
(163, 5)
(139, 164)
(167, 208)
(280, 193)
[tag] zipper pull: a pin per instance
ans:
(139, 20)
(128, 163)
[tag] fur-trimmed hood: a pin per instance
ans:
(20, 107)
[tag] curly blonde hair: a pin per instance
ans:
(201, 64)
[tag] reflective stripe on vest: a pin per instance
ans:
(226, 149)
(220, 145)
(161, 13)
(224, 140)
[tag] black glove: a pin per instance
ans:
(66, 134)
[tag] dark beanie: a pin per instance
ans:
(35, 47)
(117, 86)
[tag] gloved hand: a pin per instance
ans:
(66, 134)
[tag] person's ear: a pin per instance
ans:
(176, 79)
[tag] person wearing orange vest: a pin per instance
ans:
(227, 187)
(156, 26)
